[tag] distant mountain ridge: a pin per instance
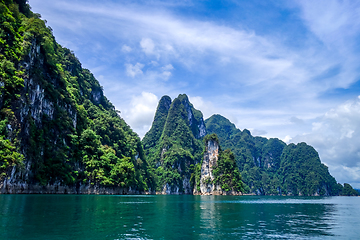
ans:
(270, 167)
(267, 166)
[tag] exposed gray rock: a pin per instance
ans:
(207, 185)
(210, 159)
(24, 188)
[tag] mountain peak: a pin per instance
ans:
(152, 137)
(173, 143)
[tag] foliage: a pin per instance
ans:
(61, 119)
(226, 173)
(303, 173)
(152, 137)
(212, 136)
(270, 167)
(347, 190)
(9, 157)
(171, 144)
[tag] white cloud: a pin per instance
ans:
(258, 132)
(336, 24)
(168, 67)
(147, 45)
(141, 111)
(260, 61)
(166, 75)
(197, 102)
(133, 70)
(126, 49)
(287, 139)
(154, 63)
(264, 62)
(296, 120)
(336, 136)
(206, 107)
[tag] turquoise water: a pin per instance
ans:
(178, 217)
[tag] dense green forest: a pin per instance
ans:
(173, 145)
(270, 167)
(56, 125)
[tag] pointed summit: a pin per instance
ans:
(153, 135)
(173, 144)
(181, 106)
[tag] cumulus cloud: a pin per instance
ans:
(296, 120)
(166, 71)
(287, 139)
(260, 61)
(147, 45)
(258, 132)
(166, 75)
(206, 107)
(168, 67)
(133, 70)
(141, 112)
(336, 24)
(126, 49)
(336, 136)
(154, 63)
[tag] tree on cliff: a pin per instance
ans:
(224, 171)
(348, 190)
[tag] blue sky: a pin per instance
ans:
(286, 69)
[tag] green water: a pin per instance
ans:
(178, 217)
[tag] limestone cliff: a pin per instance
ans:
(211, 155)
(218, 174)
(58, 132)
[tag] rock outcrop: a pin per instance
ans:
(211, 155)
(59, 188)
(210, 183)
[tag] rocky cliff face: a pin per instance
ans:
(58, 132)
(211, 154)
(17, 187)
(34, 110)
(194, 117)
(212, 181)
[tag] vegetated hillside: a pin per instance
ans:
(173, 145)
(217, 173)
(58, 132)
(270, 167)
(348, 190)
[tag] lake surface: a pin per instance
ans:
(178, 217)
